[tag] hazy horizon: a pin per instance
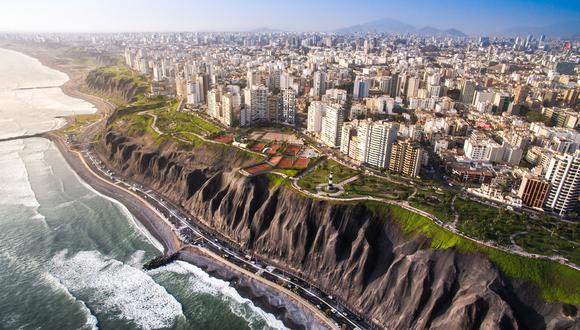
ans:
(473, 18)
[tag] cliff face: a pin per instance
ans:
(123, 88)
(356, 255)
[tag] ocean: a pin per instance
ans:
(71, 258)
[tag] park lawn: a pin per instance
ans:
(320, 174)
(546, 236)
(378, 187)
(556, 282)
(171, 121)
(439, 212)
(436, 203)
(204, 124)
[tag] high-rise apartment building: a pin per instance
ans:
(361, 88)
(381, 136)
(318, 84)
(521, 93)
(406, 157)
(316, 112)
(288, 113)
(332, 125)
(468, 91)
(369, 142)
(533, 191)
(564, 176)
(256, 99)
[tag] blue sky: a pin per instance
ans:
(471, 16)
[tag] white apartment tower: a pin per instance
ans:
(564, 176)
(288, 106)
(256, 99)
(316, 112)
(381, 137)
(332, 125)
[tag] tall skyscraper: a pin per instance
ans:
(332, 125)
(256, 99)
(316, 112)
(396, 82)
(412, 87)
(214, 103)
(564, 176)
(381, 136)
(468, 91)
(318, 84)
(288, 106)
(406, 158)
(361, 88)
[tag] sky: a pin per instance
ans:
(471, 16)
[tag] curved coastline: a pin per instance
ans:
(284, 304)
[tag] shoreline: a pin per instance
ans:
(288, 307)
(280, 302)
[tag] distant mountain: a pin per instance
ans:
(431, 31)
(378, 26)
(264, 30)
(389, 25)
(560, 29)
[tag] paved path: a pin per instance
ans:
(154, 123)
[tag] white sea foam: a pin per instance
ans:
(136, 259)
(114, 286)
(202, 282)
(15, 187)
(55, 283)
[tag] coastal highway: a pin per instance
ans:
(194, 233)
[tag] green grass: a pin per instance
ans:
(120, 71)
(547, 236)
(170, 121)
(288, 172)
(556, 282)
(435, 202)
(79, 122)
(378, 187)
(320, 174)
(205, 125)
(276, 180)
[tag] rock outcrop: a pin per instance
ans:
(355, 254)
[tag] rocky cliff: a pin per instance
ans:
(118, 86)
(358, 255)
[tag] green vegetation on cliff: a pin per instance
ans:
(556, 282)
(120, 71)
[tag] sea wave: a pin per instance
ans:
(202, 282)
(134, 222)
(92, 321)
(109, 285)
(15, 186)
